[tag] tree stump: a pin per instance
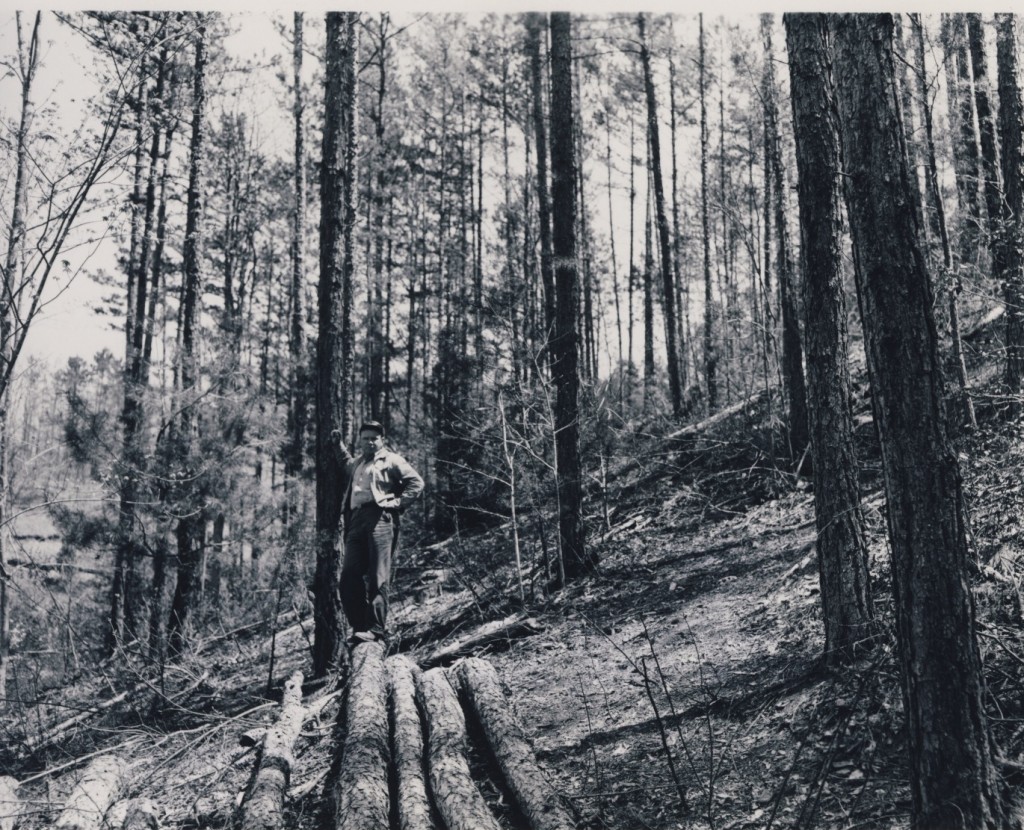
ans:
(91, 798)
(359, 797)
(407, 750)
(455, 794)
(481, 690)
(263, 808)
(10, 804)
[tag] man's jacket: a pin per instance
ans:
(393, 481)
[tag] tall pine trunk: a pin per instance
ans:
(334, 341)
(1011, 136)
(792, 351)
(842, 551)
(710, 356)
(952, 775)
(565, 369)
(297, 371)
(188, 496)
(535, 24)
(661, 217)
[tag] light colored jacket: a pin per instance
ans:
(393, 481)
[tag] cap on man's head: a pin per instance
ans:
(372, 426)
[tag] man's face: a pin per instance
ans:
(370, 441)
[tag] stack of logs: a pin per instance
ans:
(404, 729)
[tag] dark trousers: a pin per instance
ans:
(371, 541)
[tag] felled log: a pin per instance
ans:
(539, 803)
(263, 808)
(407, 746)
(10, 804)
(510, 628)
(455, 794)
(91, 798)
(359, 797)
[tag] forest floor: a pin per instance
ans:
(680, 687)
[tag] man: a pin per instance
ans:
(376, 485)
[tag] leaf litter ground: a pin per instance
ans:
(680, 688)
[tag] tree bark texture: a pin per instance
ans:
(191, 524)
(1011, 136)
(842, 552)
(10, 804)
(710, 356)
(359, 797)
(992, 181)
(661, 216)
(935, 209)
(98, 788)
(951, 760)
(334, 341)
(481, 690)
(407, 747)
(263, 808)
(456, 796)
(565, 369)
(792, 351)
(296, 336)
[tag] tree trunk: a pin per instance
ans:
(263, 808)
(661, 215)
(792, 351)
(993, 184)
(565, 344)
(296, 335)
(12, 283)
(98, 788)
(966, 167)
(455, 794)
(935, 210)
(842, 552)
(359, 797)
(1011, 136)
(334, 341)
(710, 357)
(192, 522)
(953, 782)
(407, 749)
(480, 688)
(535, 24)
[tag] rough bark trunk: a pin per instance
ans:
(565, 343)
(953, 781)
(296, 333)
(1011, 135)
(710, 357)
(792, 351)
(359, 796)
(842, 552)
(98, 788)
(334, 343)
(992, 183)
(407, 748)
(480, 688)
(535, 28)
(191, 525)
(661, 216)
(263, 808)
(455, 794)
